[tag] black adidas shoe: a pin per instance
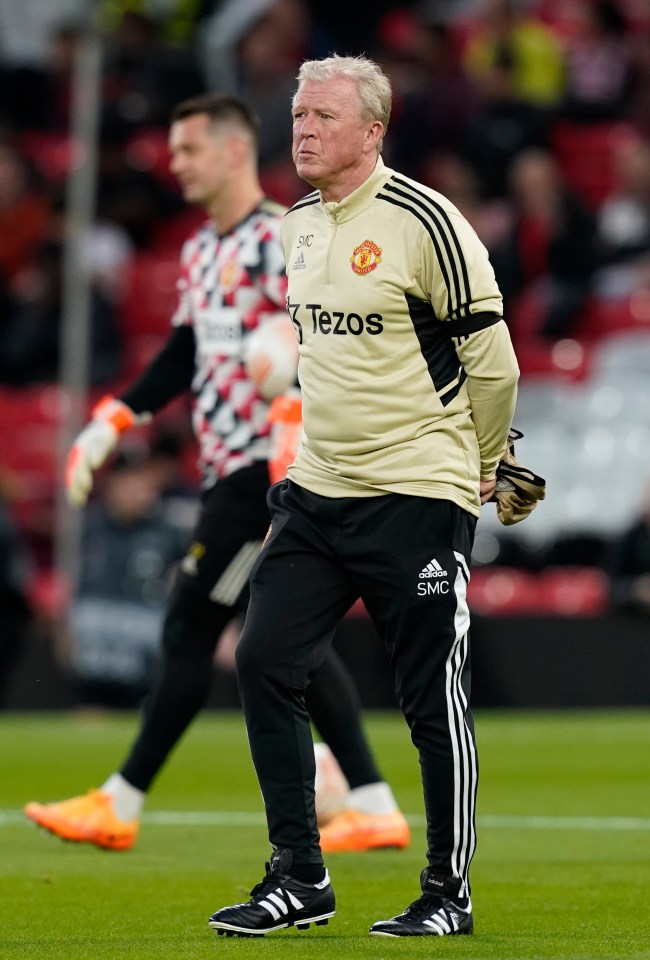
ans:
(278, 901)
(436, 913)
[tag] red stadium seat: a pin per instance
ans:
(52, 154)
(574, 591)
(566, 360)
(607, 317)
(503, 591)
(149, 297)
(29, 421)
(29, 437)
(147, 306)
(170, 234)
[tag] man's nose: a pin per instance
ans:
(307, 127)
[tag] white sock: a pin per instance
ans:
(127, 800)
(373, 798)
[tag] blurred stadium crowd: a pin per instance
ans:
(532, 117)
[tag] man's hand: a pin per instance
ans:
(518, 490)
(96, 441)
(486, 489)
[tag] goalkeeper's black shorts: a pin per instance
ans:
(232, 524)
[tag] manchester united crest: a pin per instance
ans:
(230, 275)
(366, 258)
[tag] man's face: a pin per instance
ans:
(199, 158)
(329, 137)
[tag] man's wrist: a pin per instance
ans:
(120, 416)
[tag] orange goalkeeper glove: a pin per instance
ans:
(96, 441)
(285, 415)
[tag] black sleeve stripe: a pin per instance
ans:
(441, 221)
(436, 346)
(479, 321)
(434, 240)
(451, 394)
(309, 201)
(441, 218)
(446, 263)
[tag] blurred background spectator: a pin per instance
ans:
(455, 177)
(254, 50)
(509, 39)
(31, 328)
(600, 76)
(145, 76)
(517, 64)
(132, 198)
(549, 255)
(24, 213)
(129, 553)
(624, 222)
(435, 100)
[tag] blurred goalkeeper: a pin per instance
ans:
(232, 281)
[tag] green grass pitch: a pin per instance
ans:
(562, 868)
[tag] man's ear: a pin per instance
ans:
(239, 149)
(374, 133)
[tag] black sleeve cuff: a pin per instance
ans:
(468, 325)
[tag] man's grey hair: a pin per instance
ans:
(374, 86)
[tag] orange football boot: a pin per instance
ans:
(86, 819)
(353, 830)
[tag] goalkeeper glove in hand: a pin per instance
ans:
(285, 416)
(518, 490)
(96, 441)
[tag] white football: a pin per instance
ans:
(332, 788)
(272, 356)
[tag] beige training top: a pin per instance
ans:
(407, 370)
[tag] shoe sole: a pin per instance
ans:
(231, 931)
(397, 936)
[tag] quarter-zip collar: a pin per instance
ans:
(361, 198)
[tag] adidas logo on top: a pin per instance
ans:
(299, 262)
(432, 569)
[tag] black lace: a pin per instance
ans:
(271, 876)
(424, 906)
(259, 887)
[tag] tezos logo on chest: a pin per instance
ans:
(366, 258)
